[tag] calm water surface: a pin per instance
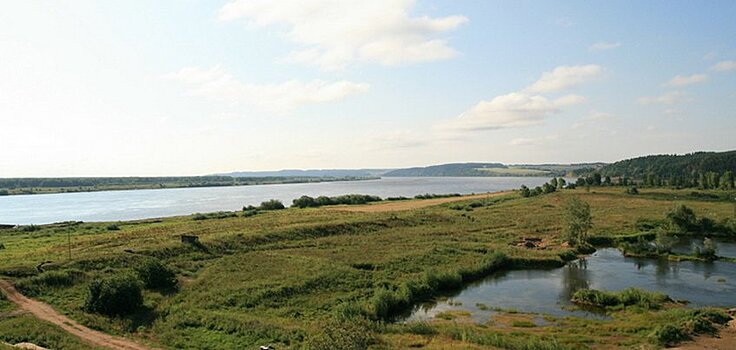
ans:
(141, 204)
(549, 291)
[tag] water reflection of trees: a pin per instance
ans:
(574, 277)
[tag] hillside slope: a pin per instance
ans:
(668, 166)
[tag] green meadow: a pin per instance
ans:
(323, 278)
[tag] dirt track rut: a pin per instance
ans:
(47, 313)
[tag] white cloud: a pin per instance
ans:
(668, 98)
(506, 111)
(526, 107)
(680, 81)
(595, 117)
(604, 45)
(334, 33)
(724, 66)
(565, 77)
(217, 85)
(570, 100)
(527, 141)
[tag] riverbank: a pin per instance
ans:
(303, 277)
(28, 186)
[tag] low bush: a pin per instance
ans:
(705, 251)
(348, 199)
(156, 275)
(687, 323)
(113, 227)
(215, 215)
(434, 195)
(52, 279)
(271, 204)
(353, 334)
(114, 296)
(29, 228)
(626, 297)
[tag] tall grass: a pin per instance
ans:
(627, 297)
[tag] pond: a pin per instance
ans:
(549, 291)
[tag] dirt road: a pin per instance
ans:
(47, 313)
(413, 204)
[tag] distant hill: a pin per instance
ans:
(310, 173)
(440, 170)
(670, 166)
(453, 169)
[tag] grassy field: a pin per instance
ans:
(313, 278)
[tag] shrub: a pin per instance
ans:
(434, 195)
(706, 251)
(682, 218)
(349, 199)
(626, 297)
(353, 334)
(156, 275)
(51, 279)
(29, 228)
(113, 227)
(2, 246)
(632, 190)
(215, 215)
(668, 335)
(525, 191)
(114, 296)
(272, 204)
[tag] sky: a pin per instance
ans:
(193, 87)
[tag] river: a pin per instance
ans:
(143, 204)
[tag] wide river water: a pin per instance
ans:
(142, 204)
(548, 291)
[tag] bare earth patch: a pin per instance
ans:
(412, 203)
(47, 313)
(726, 340)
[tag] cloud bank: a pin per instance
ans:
(334, 33)
(526, 107)
(217, 85)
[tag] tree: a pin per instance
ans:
(548, 188)
(607, 181)
(580, 182)
(553, 182)
(578, 221)
(596, 179)
(726, 181)
(561, 183)
(525, 192)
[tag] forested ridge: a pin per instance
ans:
(700, 169)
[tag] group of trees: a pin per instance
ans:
(708, 180)
(705, 170)
(310, 202)
(549, 187)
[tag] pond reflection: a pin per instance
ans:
(549, 291)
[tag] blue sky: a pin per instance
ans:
(95, 88)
